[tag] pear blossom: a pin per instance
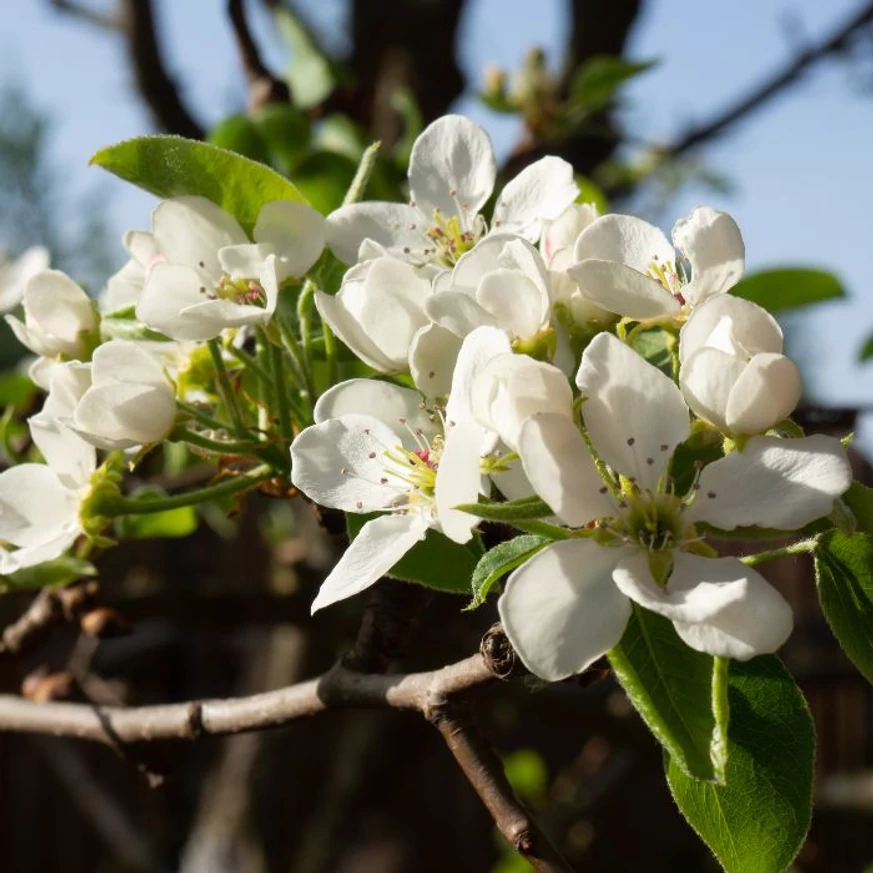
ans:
(40, 503)
(120, 400)
(200, 273)
(377, 311)
(15, 273)
(59, 317)
(502, 282)
(452, 171)
(733, 373)
(376, 446)
(627, 266)
(557, 249)
(570, 603)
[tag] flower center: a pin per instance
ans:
(415, 468)
(244, 291)
(452, 238)
(654, 521)
(667, 276)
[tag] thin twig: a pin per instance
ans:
(772, 86)
(264, 87)
(485, 772)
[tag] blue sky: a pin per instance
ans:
(801, 168)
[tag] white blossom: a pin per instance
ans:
(15, 273)
(570, 603)
(377, 447)
(733, 373)
(59, 317)
(201, 273)
(452, 171)
(40, 503)
(627, 266)
(120, 400)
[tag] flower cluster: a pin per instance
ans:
(524, 338)
(535, 356)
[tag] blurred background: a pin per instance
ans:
(762, 109)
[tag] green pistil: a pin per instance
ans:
(541, 346)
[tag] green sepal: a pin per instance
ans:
(499, 561)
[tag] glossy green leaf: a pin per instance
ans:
(844, 573)
(171, 166)
(436, 562)
(60, 571)
(499, 561)
(673, 688)
(757, 821)
(512, 510)
(778, 290)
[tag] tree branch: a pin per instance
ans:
(154, 83)
(768, 89)
(264, 87)
(92, 16)
(485, 772)
(338, 688)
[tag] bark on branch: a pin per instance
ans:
(338, 688)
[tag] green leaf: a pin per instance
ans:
(309, 73)
(436, 562)
(778, 290)
(859, 499)
(52, 573)
(589, 192)
(597, 80)
(757, 821)
(287, 133)
(513, 510)
(170, 524)
(239, 134)
(673, 688)
(499, 561)
(172, 166)
(866, 350)
(656, 347)
(16, 390)
(323, 178)
(844, 574)
(527, 773)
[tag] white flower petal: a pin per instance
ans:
(766, 392)
(296, 233)
(457, 312)
(380, 544)
(16, 273)
(399, 408)
(624, 239)
(432, 356)
(540, 191)
(457, 479)
(59, 312)
(67, 454)
(451, 167)
(168, 291)
(779, 483)
(479, 348)
(473, 265)
(189, 231)
(623, 290)
(35, 507)
(397, 227)
(731, 324)
(126, 361)
(124, 287)
(244, 261)
(341, 462)
(635, 415)
(512, 387)
(514, 301)
(141, 246)
(332, 308)
(562, 232)
(713, 245)
(120, 415)
(558, 465)
(561, 609)
(707, 379)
